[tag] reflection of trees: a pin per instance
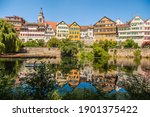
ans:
(8, 72)
(101, 65)
(68, 64)
(40, 82)
(138, 87)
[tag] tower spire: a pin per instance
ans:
(41, 17)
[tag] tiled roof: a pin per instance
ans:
(52, 24)
(123, 25)
(84, 28)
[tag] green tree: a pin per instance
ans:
(129, 43)
(2, 47)
(32, 43)
(8, 37)
(54, 42)
(106, 44)
(41, 43)
(69, 48)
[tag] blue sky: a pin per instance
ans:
(85, 12)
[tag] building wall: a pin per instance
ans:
(32, 32)
(134, 30)
(74, 31)
(62, 30)
(147, 31)
(105, 29)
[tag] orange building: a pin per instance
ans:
(104, 29)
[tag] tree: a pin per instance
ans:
(129, 43)
(54, 42)
(41, 43)
(8, 37)
(106, 44)
(69, 48)
(2, 47)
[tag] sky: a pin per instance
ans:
(84, 12)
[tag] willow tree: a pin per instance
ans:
(8, 36)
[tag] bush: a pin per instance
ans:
(35, 43)
(129, 43)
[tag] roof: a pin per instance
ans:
(103, 18)
(83, 28)
(14, 17)
(52, 24)
(73, 23)
(134, 18)
(34, 24)
(61, 22)
(123, 25)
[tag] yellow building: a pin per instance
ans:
(73, 78)
(74, 32)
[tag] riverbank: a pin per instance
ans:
(129, 53)
(35, 52)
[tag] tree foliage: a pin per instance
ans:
(129, 43)
(34, 43)
(106, 44)
(69, 48)
(54, 43)
(8, 37)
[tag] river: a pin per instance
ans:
(69, 78)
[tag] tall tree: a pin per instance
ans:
(8, 37)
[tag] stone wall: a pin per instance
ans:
(55, 52)
(145, 53)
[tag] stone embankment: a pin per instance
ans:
(35, 52)
(129, 53)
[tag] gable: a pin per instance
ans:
(74, 24)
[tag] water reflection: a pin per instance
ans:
(73, 79)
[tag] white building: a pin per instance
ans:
(132, 30)
(32, 31)
(118, 21)
(35, 31)
(147, 30)
(87, 34)
(62, 30)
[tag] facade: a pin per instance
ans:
(147, 30)
(32, 31)
(86, 32)
(16, 21)
(35, 31)
(104, 29)
(132, 30)
(62, 30)
(74, 32)
(52, 29)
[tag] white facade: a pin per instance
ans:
(32, 31)
(132, 30)
(62, 30)
(147, 30)
(49, 32)
(87, 33)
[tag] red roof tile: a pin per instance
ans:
(52, 24)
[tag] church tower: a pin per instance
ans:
(41, 17)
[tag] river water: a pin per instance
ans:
(70, 78)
